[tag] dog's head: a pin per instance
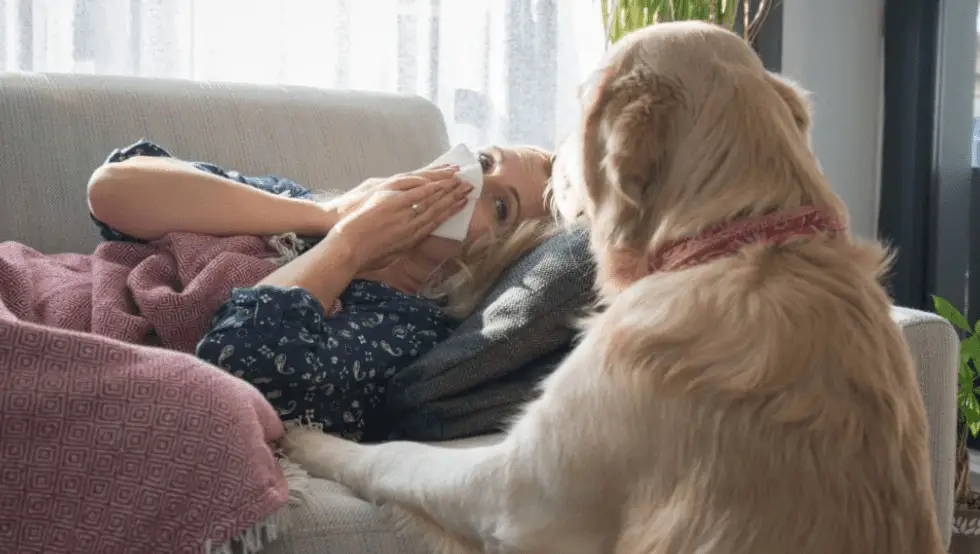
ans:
(682, 129)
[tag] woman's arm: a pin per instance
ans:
(147, 197)
(324, 271)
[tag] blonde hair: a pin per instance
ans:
(481, 262)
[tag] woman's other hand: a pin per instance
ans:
(399, 214)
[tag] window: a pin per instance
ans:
(500, 70)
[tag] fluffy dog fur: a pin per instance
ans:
(761, 403)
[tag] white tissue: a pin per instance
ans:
(470, 171)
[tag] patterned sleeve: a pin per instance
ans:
(143, 147)
(328, 370)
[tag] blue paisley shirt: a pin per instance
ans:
(330, 370)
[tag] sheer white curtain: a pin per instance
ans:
(500, 70)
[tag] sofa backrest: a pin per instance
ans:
(55, 129)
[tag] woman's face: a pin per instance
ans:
(514, 182)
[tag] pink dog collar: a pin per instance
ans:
(728, 238)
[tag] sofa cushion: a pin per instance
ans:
(472, 382)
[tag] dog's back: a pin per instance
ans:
(784, 410)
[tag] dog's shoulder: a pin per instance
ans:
(788, 309)
(655, 321)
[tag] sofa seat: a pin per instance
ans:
(331, 520)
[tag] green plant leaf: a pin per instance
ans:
(964, 383)
(970, 409)
(962, 399)
(629, 15)
(659, 9)
(604, 6)
(970, 349)
(680, 9)
(969, 406)
(964, 373)
(945, 309)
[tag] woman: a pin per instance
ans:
(362, 289)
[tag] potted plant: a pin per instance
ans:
(619, 17)
(966, 518)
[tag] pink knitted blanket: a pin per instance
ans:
(108, 444)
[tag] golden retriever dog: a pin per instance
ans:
(743, 389)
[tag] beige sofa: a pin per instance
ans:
(54, 129)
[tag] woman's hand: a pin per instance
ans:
(391, 216)
(348, 202)
(398, 215)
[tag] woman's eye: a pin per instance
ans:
(486, 161)
(500, 209)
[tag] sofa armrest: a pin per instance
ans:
(935, 350)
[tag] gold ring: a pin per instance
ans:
(415, 209)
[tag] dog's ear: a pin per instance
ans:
(795, 98)
(629, 137)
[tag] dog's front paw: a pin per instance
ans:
(321, 455)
